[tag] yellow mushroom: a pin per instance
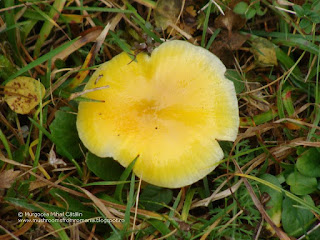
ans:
(169, 109)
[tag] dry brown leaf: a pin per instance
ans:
(166, 12)
(230, 21)
(53, 160)
(37, 184)
(26, 227)
(102, 207)
(191, 11)
(89, 36)
(7, 178)
(225, 43)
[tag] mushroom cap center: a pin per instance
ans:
(147, 107)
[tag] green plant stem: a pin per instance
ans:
(48, 25)
(259, 119)
(205, 25)
(65, 151)
(5, 144)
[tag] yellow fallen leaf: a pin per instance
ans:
(191, 11)
(23, 94)
(264, 52)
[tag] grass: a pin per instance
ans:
(270, 174)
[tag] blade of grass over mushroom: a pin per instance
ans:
(123, 177)
(48, 24)
(205, 24)
(287, 193)
(40, 60)
(84, 99)
(77, 95)
(57, 143)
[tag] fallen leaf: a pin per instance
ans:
(7, 178)
(37, 184)
(191, 11)
(23, 94)
(225, 43)
(53, 160)
(292, 126)
(166, 12)
(230, 21)
(86, 37)
(264, 52)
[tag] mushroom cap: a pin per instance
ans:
(169, 109)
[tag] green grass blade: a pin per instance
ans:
(146, 30)
(289, 194)
(123, 45)
(213, 37)
(105, 183)
(99, 9)
(48, 24)
(40, 60)
(5, 144)
(161, 227)
(130, 204)
(57, 143)
(123, 177)
(187, 204)
(205, 25)
(298, 42)
(43, 209)
(11, 26)
(317, 100)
